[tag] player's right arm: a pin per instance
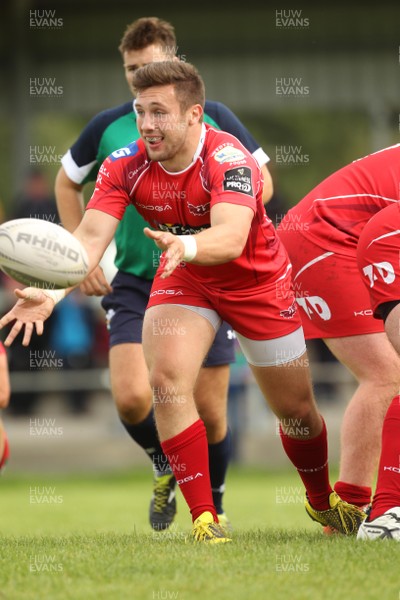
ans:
(71, 208)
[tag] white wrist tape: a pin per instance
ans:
(189, 241)
(55, 295)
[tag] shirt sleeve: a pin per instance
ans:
(80, 161)
(110, 195)
(234, 176)
(229, 122)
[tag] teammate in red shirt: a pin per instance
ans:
(4, 400)
(223, 261)
(321, 234)
(379, 265)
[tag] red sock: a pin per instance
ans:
(310, 457)
(187, 454)
(359, 495)
(387, 493)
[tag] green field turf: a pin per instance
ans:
(82, 538)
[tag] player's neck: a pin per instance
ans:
(189, 151)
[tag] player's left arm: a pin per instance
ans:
(222, 242)
(95, 232)
(228, 121)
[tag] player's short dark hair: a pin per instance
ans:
(146, 32)
(189, 86)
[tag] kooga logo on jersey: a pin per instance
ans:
(48, 244)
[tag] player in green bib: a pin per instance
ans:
(147, 40)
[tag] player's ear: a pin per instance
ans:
(195, 114)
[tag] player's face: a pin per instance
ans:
(170, 135)
(134, 59)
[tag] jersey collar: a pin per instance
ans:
(201, 143)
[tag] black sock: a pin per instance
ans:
(145, 434)
(218, 459)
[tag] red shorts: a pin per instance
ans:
(378, 257)
(329, 289)
(260, 312)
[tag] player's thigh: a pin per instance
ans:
(281, 368)
(287, 388)
(392, 327)
(125, 308)
(176, 340)
(368, 357)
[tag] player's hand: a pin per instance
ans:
(96, 284)
(172, 247)
(31, 310)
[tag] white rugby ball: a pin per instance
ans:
(40, 253)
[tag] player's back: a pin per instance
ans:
(334, 213)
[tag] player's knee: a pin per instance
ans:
(215, 424)
(162, 382)
(385, 375)
(301, 409)
(132, 402)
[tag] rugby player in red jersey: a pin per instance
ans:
(321, 234)
(146, 40)
(222, 259)
(378, 255)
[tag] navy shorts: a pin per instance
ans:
(125, 308)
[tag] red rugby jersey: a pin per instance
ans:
(222, 171)
(334, 213)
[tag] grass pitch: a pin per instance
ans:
(88, 538)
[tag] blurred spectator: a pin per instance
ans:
(36, 200)
(72, 341)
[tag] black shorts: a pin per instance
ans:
(125, 308)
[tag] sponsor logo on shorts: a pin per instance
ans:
(199, 210)
(383, 270)
(289, 312)
(315, 306)
(393, 469)
(229, 154)
(109, 315)
(166, 293)
(363, 313)
(238, 180)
